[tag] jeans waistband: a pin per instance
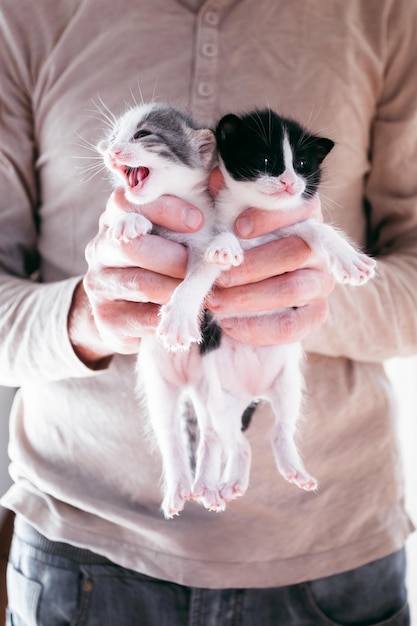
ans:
(28, 534)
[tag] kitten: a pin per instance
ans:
(271, 163)
(155, 149)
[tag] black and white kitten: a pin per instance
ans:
(271, 163)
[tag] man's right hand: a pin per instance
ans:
(118, 300)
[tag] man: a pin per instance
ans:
(90, 538)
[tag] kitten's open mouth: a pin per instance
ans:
(136, 175)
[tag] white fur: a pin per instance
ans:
(226, 380)
(169, 364)
(236, 373)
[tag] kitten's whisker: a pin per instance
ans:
(91, 172)
(154, 97)
(134, 97)
(262, 131)
(86, 145)
(105, 112)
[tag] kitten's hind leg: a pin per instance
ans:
(222, 442)
(208, 471)
(162, 398)
(227, 411)
(286, 400)
(208, 456)
(235, 481)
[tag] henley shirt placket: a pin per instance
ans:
(204, 87)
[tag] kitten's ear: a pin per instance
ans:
(227, 127)
(323, 147)
(206, 146)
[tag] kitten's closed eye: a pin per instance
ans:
(140, 134)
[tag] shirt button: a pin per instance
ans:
(212, 18)
(205, 89)
(209, 49)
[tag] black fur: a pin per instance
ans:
(211, 333)
(252, 145)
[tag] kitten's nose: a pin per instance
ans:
(287, 180)
(287, 185)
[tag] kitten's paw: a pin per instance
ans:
(301, 478)
(356, 270)
(211, 499)
(224, 251)
(175, 499)
(233, 491)
(224, 258)
(129, 227)
(177, 331)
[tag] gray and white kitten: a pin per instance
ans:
(155, 149)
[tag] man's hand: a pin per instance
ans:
(281, 279)
(118, 300)
(126, 282)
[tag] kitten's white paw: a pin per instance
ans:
(233, 491)
(224, 258)
(356, 270)
(224, 251)
(210, 498)
(129, 227)
(177, 332)
(300, 478)
(175, 499)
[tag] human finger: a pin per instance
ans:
(254, 222)
(132, 283)
(150, 252)
(121, 324)
(269, 259)
(292, 289)
(293, 324)
(168, 211)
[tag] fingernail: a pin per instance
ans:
(244, 225)
(192, 218)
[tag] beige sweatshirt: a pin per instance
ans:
(82, 467)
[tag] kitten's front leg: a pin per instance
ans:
(347, 264)
(129, 227)
(180, 317)
(123, 223)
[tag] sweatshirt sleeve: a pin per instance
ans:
(379, 320)
(34, 343)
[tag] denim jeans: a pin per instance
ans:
(53, 584)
